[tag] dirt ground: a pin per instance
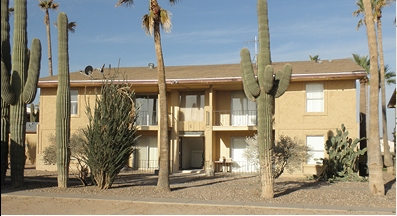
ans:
(30, 205)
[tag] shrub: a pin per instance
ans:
(76, 151)
(288, 154)
(343, 153)
(110, 134)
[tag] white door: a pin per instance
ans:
(238, 146)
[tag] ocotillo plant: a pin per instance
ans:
(33, 117)
(5, 107)
(22, 88)
(63, 102)
(264, 91)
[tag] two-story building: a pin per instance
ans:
(209, 114)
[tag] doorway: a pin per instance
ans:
(191, 152)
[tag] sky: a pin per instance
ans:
(208, 32)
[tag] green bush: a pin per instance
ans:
(111, 132)
(76, 150)
(288, 154)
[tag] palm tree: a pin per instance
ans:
(363, 61)
(376, 185)
(151, 23)
(45, 6)
(315, 58)
(387, 160)
(377, 6)
(71, 26)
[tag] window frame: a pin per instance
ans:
(74, 92)
(316, 150)
(320, 98)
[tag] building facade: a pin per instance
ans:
(209, 114)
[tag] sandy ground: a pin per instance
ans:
(323, 194)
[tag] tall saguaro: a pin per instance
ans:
(19, 87)
(63, 102)
(264, 90)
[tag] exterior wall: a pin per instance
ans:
(291, 119)
(47, 120)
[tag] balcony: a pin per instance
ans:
(146, 118)
(235, 118)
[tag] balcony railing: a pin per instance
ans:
(235, 118)
(146, 118)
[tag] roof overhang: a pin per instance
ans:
(294, 78)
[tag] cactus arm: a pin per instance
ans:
(251, 87)
(7, 94)
(30, 90)
(246, 91)
(265, 79)
(284, 78)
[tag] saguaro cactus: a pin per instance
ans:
(63, 102)
(22, 88)
(5, 108)
(264, 90)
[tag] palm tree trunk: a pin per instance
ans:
(363, 122)
(163, 182)
(47, 26)
(376, 185)
(387, 160)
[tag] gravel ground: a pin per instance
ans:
(223, 187)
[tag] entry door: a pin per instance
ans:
(238, 146)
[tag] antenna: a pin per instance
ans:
(256, 48)
(101, 69)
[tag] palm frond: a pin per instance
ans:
(147, 24)
(127, 3)
(72, 26)
(165, 20)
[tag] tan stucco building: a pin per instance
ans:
(209, 114)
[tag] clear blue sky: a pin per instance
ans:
(210, 32)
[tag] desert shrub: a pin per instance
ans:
(111, 132)
(76, 153)
(288, 154)
(343, 153)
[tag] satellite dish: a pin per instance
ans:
(88, 70)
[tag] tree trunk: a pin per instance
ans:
(387, 160)
(376, 185)
(363, 124)
(163, 182)
(47, 26)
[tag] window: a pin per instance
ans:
(243, 110)
(192, 106)
(74, 103)
(315, 97)
(147, 109)
(316, 144)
